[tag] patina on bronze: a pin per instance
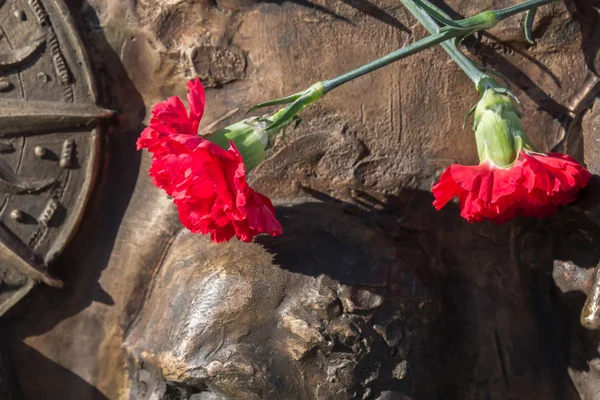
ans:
(394, 301)
(49, 141)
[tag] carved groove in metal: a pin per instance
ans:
(49, 141)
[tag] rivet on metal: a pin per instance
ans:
(5, 86)
(17, 215)
(43, 77)
(48, 213)
(40, 151)
(20, 15)
(67, 154)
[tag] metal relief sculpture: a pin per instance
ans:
(49, 141)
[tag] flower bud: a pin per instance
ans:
(498, 129)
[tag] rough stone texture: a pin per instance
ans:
(370, 294)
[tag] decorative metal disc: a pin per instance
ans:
(49, 142)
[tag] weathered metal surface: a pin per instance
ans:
(491, 325)
(48, 138)
(336, 313)
(9, 386)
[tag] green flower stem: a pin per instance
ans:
(394, 56)
(519, 8)
(432, 27)
(484, 20)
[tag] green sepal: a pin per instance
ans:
(490, 83)
(496, 138)
(467, 115)
(498, 129)
(297, 121)
(249, 137)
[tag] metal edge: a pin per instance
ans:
(45, 117)
(70, 228)
(19, 256)
(17, 296)
(68, 32)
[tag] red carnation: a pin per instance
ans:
(207, 183)
(535, 185)
(512, 178)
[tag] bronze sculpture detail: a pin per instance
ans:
(49, 139)
(369, 294)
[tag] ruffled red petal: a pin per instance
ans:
(207, 183)
(197, 101)
(536, 185)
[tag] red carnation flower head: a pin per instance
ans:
(206, 178)
(512, 178)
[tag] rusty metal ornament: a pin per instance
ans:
(49, 141)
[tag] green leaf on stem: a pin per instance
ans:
(468, 114)
(288, 114)
(484, 20)
(297, 122)
(529, 18)
(284, 100)
(438, 14)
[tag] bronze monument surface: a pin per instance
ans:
(370, 293)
